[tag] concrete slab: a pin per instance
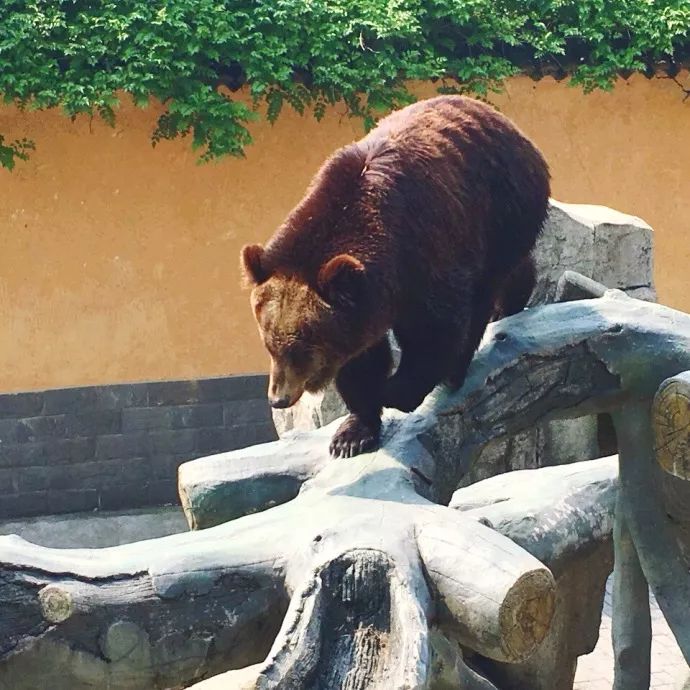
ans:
(97, 529)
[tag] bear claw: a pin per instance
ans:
(355, 436)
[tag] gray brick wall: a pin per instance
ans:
(114, 447)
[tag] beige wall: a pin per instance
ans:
(118, 262)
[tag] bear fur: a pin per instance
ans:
(425, 226)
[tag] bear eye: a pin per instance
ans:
(299, 355)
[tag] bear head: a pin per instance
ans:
(309, 328)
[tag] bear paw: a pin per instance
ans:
(355, 436)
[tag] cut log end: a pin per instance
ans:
(56, 604)
(526, 612)
(496, 598)
(671, 422)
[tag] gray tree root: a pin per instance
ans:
(647, 522)
(145, 615)
(355, 560)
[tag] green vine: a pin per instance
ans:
(79, 54)
(15, 150)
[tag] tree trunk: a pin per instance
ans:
(632, 632)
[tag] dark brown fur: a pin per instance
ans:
(428, 224)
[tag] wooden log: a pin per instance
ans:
(141, 616)
(358, 623)
(671, 420)
(564, 516)
(631, 631)
(228, 485)
(351, 552)
(573, 286)
(506, 612)
(552, 512)
(642, 507)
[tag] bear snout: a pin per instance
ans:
(284, 388)
(280, 403)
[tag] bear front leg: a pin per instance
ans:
(360, 383)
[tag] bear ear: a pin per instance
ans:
(252, 270)
(341, 280)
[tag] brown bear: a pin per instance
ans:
(425, 226)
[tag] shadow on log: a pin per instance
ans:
(285, 523)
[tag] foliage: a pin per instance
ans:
(80, 54)
(9, 153)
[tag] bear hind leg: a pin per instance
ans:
(467, 346)
(511, 298)
(516, 289)
(424, 363)
(360, 383)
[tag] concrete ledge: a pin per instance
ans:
(98, 529)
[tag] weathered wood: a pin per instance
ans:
(672, 425)
(356, 624)
(552, 512)
(141, 616)
(564, 516)
(258, 478)
(631, 631)
(504, 613)
(573, 286)
(642, 507)
(377, 513)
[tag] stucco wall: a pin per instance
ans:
(118, 262)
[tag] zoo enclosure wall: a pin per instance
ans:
(119, 262)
